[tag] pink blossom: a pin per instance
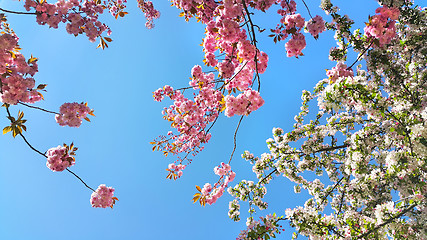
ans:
(295, 45)
(71, 114)
(243, 104)
(382, 26)
(315, 26)
(150, 12)
(58, 159)
(340, 70)
(103, 197)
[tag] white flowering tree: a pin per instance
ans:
(367, 143)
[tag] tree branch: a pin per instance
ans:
(38, 108)
(75, 175)
(21, 13)
(235, 135)
(387, 222)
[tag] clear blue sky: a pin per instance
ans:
(114, 149)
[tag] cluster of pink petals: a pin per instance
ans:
(177, 169)
(14, 69)
(80, 17)
(243, 104)
(292, 24)
(58, 159)
(382, 26)
(190, 117)
(340, 70)
(17, 88)
(240, 63)
(287, 7)
(161, 92)
(315, 26)
(102, 197)
(294, 21)
(147, 8)
(295, 45)
(200, 79)
(203, 10)
(116, 7)
(213, 193)
(71, 114)
(223, 34)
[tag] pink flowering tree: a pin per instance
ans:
(368, 138)
(18, 86)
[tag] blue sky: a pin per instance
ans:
(114, 148)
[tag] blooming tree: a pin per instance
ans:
(367, 142)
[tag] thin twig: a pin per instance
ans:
(37, 151)
(307, 9)
(235, 135)
(262, 180)
(330, 191)
(253, 38)
(38, 108)
(213, 123)
(387, 222)
(22, 13)
(44, 155)
(75, 175)
(361, 54)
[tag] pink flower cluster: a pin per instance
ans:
(340, 70)
(103, 197)
(287, 7)
(240, 63)
(71, 114)
(58, 159)
(224, 34)
(243, 104)
(382, 26)
(15, 85)
(177, 169)
(292, 23)
(203, 10)
(116, 7)
(80, 17)
(315, 26)
(227, 176)
(295, 45)
(147, 8)
(189, 117)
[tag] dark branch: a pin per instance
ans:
(361, 54)
(38, 108)
(235, 135)
(75, 175)
(307, 9)
(21, 13)
(387, 222)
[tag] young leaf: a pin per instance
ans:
(7, 129)
(41, 86)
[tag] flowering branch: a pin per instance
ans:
(390, 220)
